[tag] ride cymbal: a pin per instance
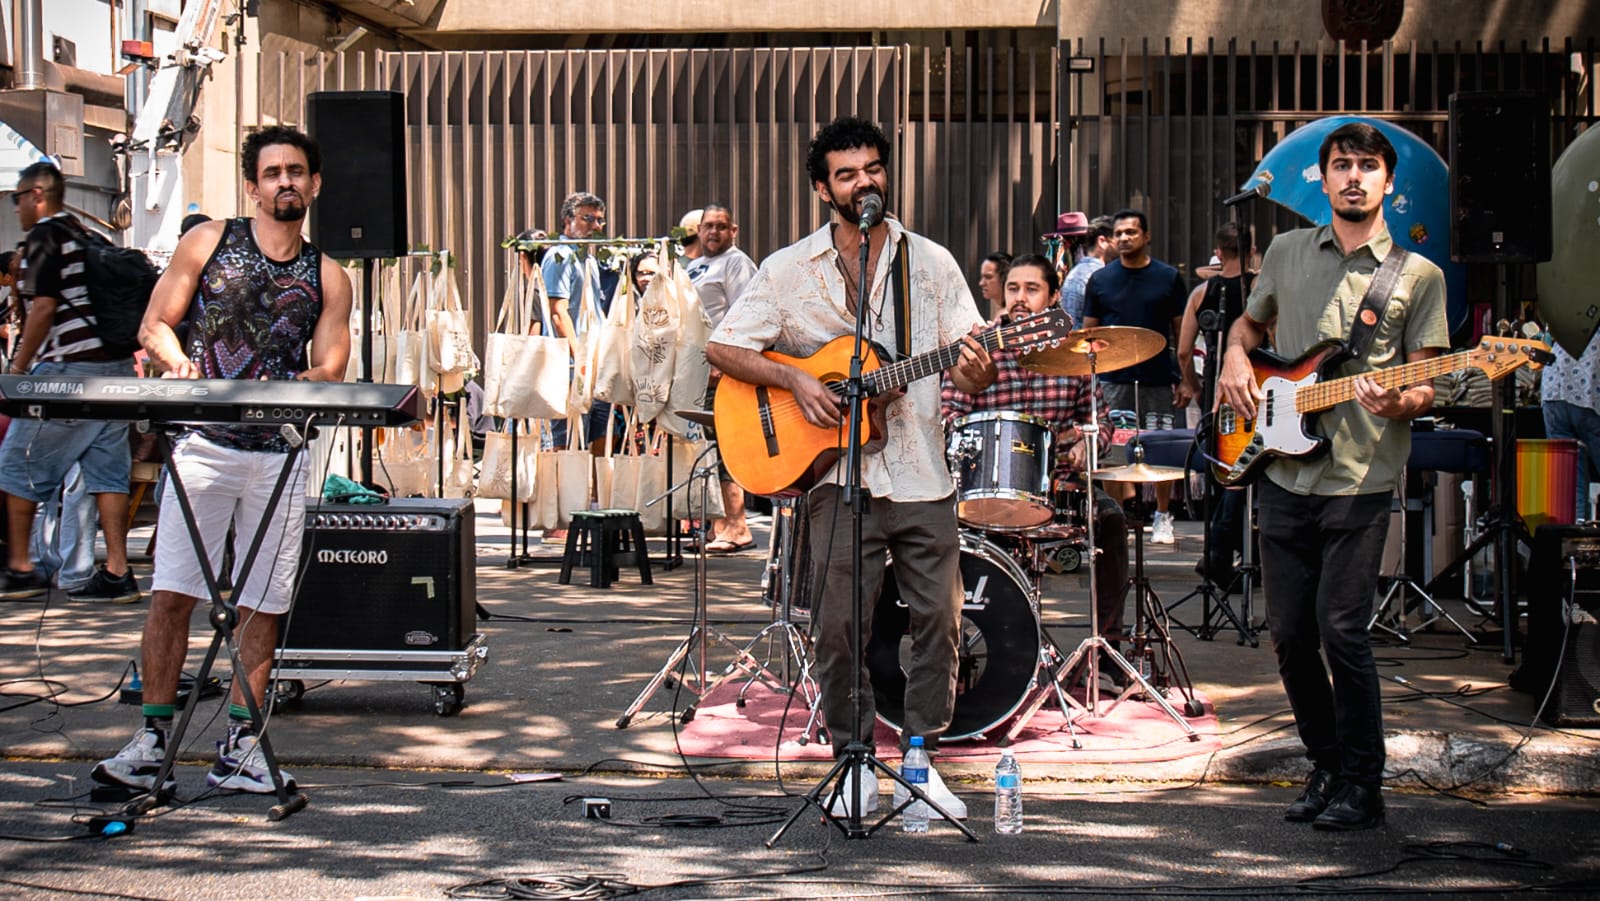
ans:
(1113, 346)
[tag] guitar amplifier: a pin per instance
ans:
(392, 577)
(1563, 585)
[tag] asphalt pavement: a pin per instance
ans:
(1484, 800)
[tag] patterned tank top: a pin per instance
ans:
(252, 318)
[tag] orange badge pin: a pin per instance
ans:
(1369, 318)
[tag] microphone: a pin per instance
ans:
(871, 210)
(1261, 189)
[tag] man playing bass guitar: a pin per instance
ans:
(803, 297)
(1324, 518)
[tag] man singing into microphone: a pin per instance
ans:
(804, 296)
(254, 295)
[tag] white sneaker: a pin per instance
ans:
(1161, 529)
(941, 795)
(869, 781)
(136, 765)
(242, 767)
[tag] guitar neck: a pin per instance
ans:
(1319, 396)
(903, 372)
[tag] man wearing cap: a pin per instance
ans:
(1097, 251)
(689, 244)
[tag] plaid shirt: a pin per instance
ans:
(1063, 401)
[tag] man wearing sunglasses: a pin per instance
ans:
(58, 338)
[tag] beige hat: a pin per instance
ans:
(690, 221)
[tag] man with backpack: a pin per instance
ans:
(59, 337)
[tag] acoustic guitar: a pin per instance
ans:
(770, 448)
(1294, 392)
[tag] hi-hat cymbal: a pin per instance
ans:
(698, 417)
(1114, 347)
(1140, 472)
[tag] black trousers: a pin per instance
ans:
(926, 543)
(1320, 561)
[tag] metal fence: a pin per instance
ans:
(989, 145)
(1173, 130)
(497, 139)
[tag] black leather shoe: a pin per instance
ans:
(1314, 800)
(1354, 807)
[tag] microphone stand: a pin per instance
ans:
(856, 754)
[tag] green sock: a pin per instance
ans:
(159, 717)
(239, 717)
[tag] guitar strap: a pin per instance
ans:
(1370, 312)
(900, 278)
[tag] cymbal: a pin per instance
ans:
(1114, 347)
(698, 417)
(1140, 472)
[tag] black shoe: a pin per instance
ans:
(1313, 801)
(15, 586)
(1353, 808)
(105, 588)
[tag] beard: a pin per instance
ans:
(288, 207)
(1351, 214)
(849, 212)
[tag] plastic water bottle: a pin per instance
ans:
(1007, 795)
(914, 769)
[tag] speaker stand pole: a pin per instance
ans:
(366, 362)
(1505, 449)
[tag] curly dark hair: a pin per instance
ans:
(844, 133)
(250, 158)
(1357, 137)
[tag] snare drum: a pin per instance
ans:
(1001, 463)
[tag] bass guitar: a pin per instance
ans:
(770, 448)
(1294, 392)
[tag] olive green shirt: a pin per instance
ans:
(1313, 289)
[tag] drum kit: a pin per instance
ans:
(1017, 526)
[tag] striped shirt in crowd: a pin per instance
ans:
(53, 266)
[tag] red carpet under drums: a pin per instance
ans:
(1131, 732)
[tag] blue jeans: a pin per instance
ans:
(1320, 558)
(1564, 420)
(64, 533)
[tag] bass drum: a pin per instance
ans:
(999, 645)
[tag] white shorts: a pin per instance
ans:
(226, 485)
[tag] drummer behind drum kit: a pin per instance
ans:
(1016, 528)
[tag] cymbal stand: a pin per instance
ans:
(1401, 582)
(1096, 645)
(697, 643)
(1053, 663)
(1146, 606)
(784, 584)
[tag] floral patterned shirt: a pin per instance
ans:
(796, 304)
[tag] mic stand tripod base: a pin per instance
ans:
(853, 824)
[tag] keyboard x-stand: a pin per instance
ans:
(170, 404)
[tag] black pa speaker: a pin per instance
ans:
(1563, 603)
(393, 577)
(361, 212)
(1499, 177)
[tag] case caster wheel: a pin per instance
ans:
(288, 691)
(1071, 560)
(447, 699)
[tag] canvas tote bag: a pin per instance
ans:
(525, 376)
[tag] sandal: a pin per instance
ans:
(724, 546)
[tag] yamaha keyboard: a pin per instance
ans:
(208, 400)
